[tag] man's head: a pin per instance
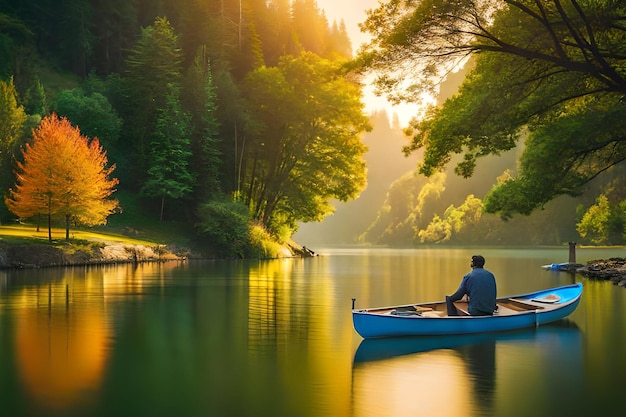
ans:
(478, 261)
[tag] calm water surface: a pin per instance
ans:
(275, 338)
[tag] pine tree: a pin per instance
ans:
(169, 175)
(201, 104)
(152, 64)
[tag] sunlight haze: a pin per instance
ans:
(353, 12)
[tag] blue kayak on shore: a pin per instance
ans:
(431, 319)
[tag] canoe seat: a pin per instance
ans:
(461, 308)
(521, 305)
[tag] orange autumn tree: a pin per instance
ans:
(63, 175)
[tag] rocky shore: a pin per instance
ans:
(612, 269)
(39, 256)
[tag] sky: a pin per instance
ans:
(352, 12)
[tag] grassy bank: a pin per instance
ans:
(24, 246)
(24, 234)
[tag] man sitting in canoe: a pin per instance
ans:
(480, 286)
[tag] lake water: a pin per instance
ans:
(275, 338)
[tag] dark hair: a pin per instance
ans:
(478, 261)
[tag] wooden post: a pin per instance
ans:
(572, 252)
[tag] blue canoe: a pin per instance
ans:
(431, 319)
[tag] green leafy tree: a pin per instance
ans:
(92, 112)
(453, 222)
(226, 227)
(12, 117)
(169, 175)
(304, 147)
(13, 120)
(604, 223)
(593, 225)
(550, 72)
(438, 230)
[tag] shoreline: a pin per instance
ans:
(33, 256)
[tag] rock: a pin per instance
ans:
(613, 269)
(41, 255)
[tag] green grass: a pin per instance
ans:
(24, 234)
(139, 220)
(134, 225)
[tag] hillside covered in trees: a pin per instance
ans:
(233, 117)
(547, 80)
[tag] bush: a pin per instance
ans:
(225, 227)
(227, 231)
(262, 245)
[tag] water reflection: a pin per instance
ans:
(60, 347)
(275, 339)
(62, 330)
(452, 375)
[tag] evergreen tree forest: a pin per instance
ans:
(235, 118)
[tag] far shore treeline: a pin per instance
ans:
(226, 124)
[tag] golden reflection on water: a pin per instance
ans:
(61, 352)
(280, 314)
(63, 329)
(432, 383)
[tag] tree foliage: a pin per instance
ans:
(13, 120)
(226, 225)
(550, 72)
(199, 98)
(63, 174)
(604, 223)
(169, 175)
(304, 146)
(92, 112)
(454, 220)
(152, 65)
(12, 116)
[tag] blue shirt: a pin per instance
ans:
(480, 286)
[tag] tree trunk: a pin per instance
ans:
(49, 220)
(49, 226)
(162, 206)
(67, 227)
